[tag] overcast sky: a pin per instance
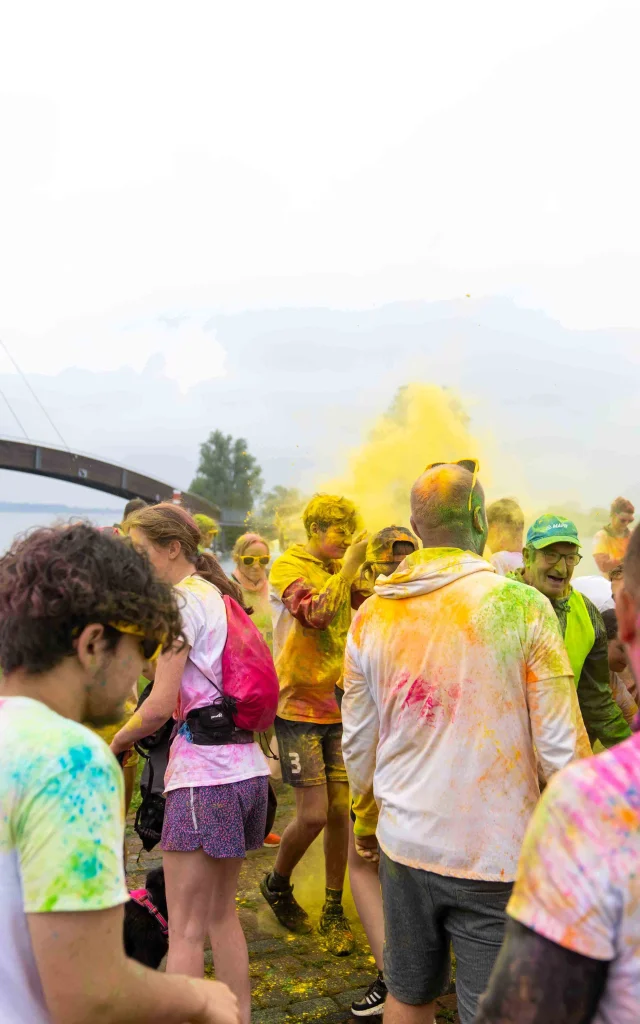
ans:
(165, 166)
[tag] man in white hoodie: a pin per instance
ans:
(452, 674)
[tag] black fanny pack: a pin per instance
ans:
(214, 726)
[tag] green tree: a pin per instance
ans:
(227, 474)
(278, 515)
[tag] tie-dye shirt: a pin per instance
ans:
(578, 880)
(61, 838)
(452, 674)
(204, 625)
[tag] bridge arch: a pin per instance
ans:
(74, 467)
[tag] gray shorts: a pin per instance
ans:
(310, 754)
(425, 914)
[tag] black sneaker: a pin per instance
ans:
(372, 1002)
(338, 937)
(285, 907)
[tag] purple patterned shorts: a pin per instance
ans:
(225, 821)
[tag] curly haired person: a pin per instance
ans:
(80, 612)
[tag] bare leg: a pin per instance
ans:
(367, 896)
(336, 834)
(189, 879)
(201, 895)
(228, 944)
(401, 1013)
(311, 818)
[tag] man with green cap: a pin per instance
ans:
(550, 555)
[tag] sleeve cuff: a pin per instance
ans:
(535, 917)
(72, 904)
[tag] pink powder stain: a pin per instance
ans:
(424, 693)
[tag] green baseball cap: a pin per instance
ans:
(549, 529)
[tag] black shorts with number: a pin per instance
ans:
(310, 754)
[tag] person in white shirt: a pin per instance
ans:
(216, 780)
(452, 675)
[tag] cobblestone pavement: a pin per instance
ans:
(294, 979)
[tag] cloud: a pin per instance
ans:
(177, 346)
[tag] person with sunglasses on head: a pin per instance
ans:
(551, 554)
(216, 780)
(80, 612)
(453, 677)
(313, 589)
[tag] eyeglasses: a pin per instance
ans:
(472, 465)
(151, 649)
(552, 558)
(250, 559)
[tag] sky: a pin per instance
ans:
(186, 188)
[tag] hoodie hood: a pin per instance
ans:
(429, 569)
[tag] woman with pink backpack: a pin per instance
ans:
(220, 686)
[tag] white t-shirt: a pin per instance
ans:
(204, 624)
(597, 589)
(61, 838)
(506, 561)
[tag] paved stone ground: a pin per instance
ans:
(294, 979)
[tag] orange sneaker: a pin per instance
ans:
(272, 840)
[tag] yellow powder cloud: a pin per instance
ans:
(425, 423)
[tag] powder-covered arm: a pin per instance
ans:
(360, 728)
(537, 981)
(313, 608)
(159, 705)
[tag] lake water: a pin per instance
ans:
(14, 523)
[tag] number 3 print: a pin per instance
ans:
(296, 767)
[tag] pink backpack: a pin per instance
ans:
(248, 673)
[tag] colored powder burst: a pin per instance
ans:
(424, 424)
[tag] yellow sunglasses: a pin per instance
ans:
(472, 465)
(151, 649)
(250, 559)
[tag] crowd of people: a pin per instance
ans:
(441, 690)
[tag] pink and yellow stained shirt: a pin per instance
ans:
(204, 625)
(604, 543)
(578, 880)
(311, 608)
(454, 677)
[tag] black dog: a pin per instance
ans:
(145, 939)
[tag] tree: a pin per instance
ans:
(279, 515)
(227, 474)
